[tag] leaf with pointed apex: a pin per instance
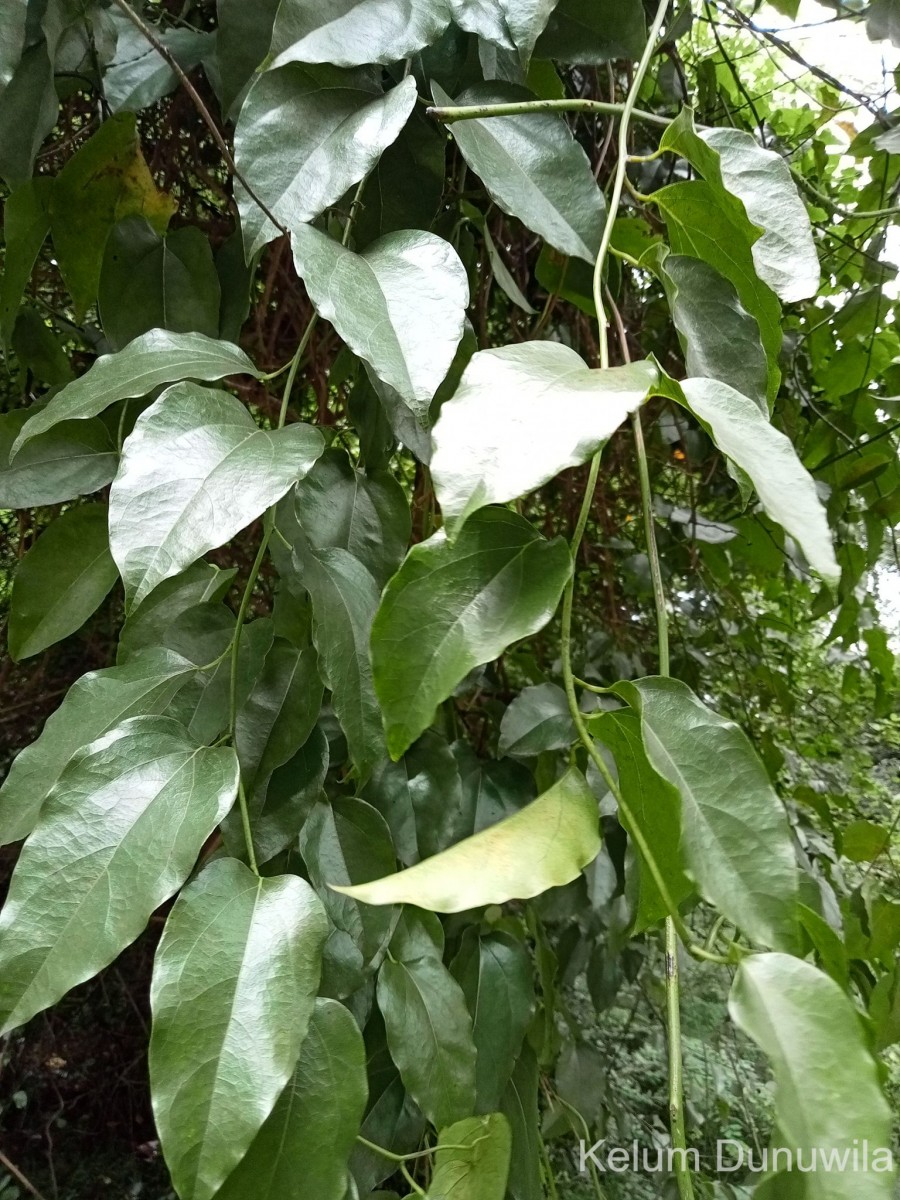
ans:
(154, 359)
(305, 1144)
(138, 74)
(195, 470)
(61, 580)
(455, 605)
(95, 703)
(352, 32)
(520, 1107)
(510, 24)
(117, 836)
(365, 513)
(234, 985)
(537, 720)
(429, 1032)
(471, 1160)
(495, 974)
(785, 487)
(799, 1018)
(594, 32)
(492, 788)
(720, 339)
(544, 845)
(400, 304)
(347, 839)
(737, 168)
(699, 227)
(149, 281)
(304, 137)
(655, 805)
(735, 834)
(70, 460)
(533, 169)
(522, 414)
(202, 583)
(344, 600)
(26, 223)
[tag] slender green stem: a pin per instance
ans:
(478, 112)
(676, 1083)
(399, 1158)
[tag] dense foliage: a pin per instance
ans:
(449, 473)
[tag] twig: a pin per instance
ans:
(17, 1174)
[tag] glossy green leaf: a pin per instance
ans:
(510, 24)
(153, 282)
(537, 720)
(365, 513)
(13, 42)
(722, 236)
(520, 1107)
(70, 460)
(720, 339)
(138, 74)
(154, 359)
(94, 704)
(344, 599)
(593, 32)
(26, 223)
(347, 839)
(419, 153)
(29, 106)
(494, 439)
(205, 706)
(400, 304)
(495, 974)
(280, 812)
(471, 1161)
(735, 835)
(786, 489)
(62, 579)
(799, 1018)
(195, 470)
(234, 984)
(654, 805)
(542, 846)
(492, 788)
(455, 605)
(735, 166)
(352, 32)
(117, 836)
(304, 1146)
(304, 137)
(105, 180)
(533, 169)
(243, 35)
(200, 584)
(429, 1032)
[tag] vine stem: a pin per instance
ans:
(478, 112)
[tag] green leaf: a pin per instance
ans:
(735, 835)
(304, 1146)
(347, 839)
(520, 1107)
(811, 1032)
(400, 304)
(62, 579)
(455, 605)
(492, 789)
(478, 1170)
(493, 440)
(720, 339)
(138, 74)
(68, 461)
(537, 720)
(195, 470)
(655, 806)
(234, 985)
(365, 513)
(864, 841)
(154, 359)
(700, 227)
(786, 489)
(344, 600)
(12, 43)
(26, 223)
(149, 281)
(304, 137)
(502, 275)
(94, 704)
(533, 169)
(421, 798)
(593, 32)
(117, 836)
(405, 187)
(883, 21)
(243, 35)
(736, 167)
(510, 24)
(105, 180)
(352, 32)
(39, 350)
(495, 974)
(429, 1033)
(200, 584)
(280, 813)
(29, 106)
(542, 846)
(205, 709)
